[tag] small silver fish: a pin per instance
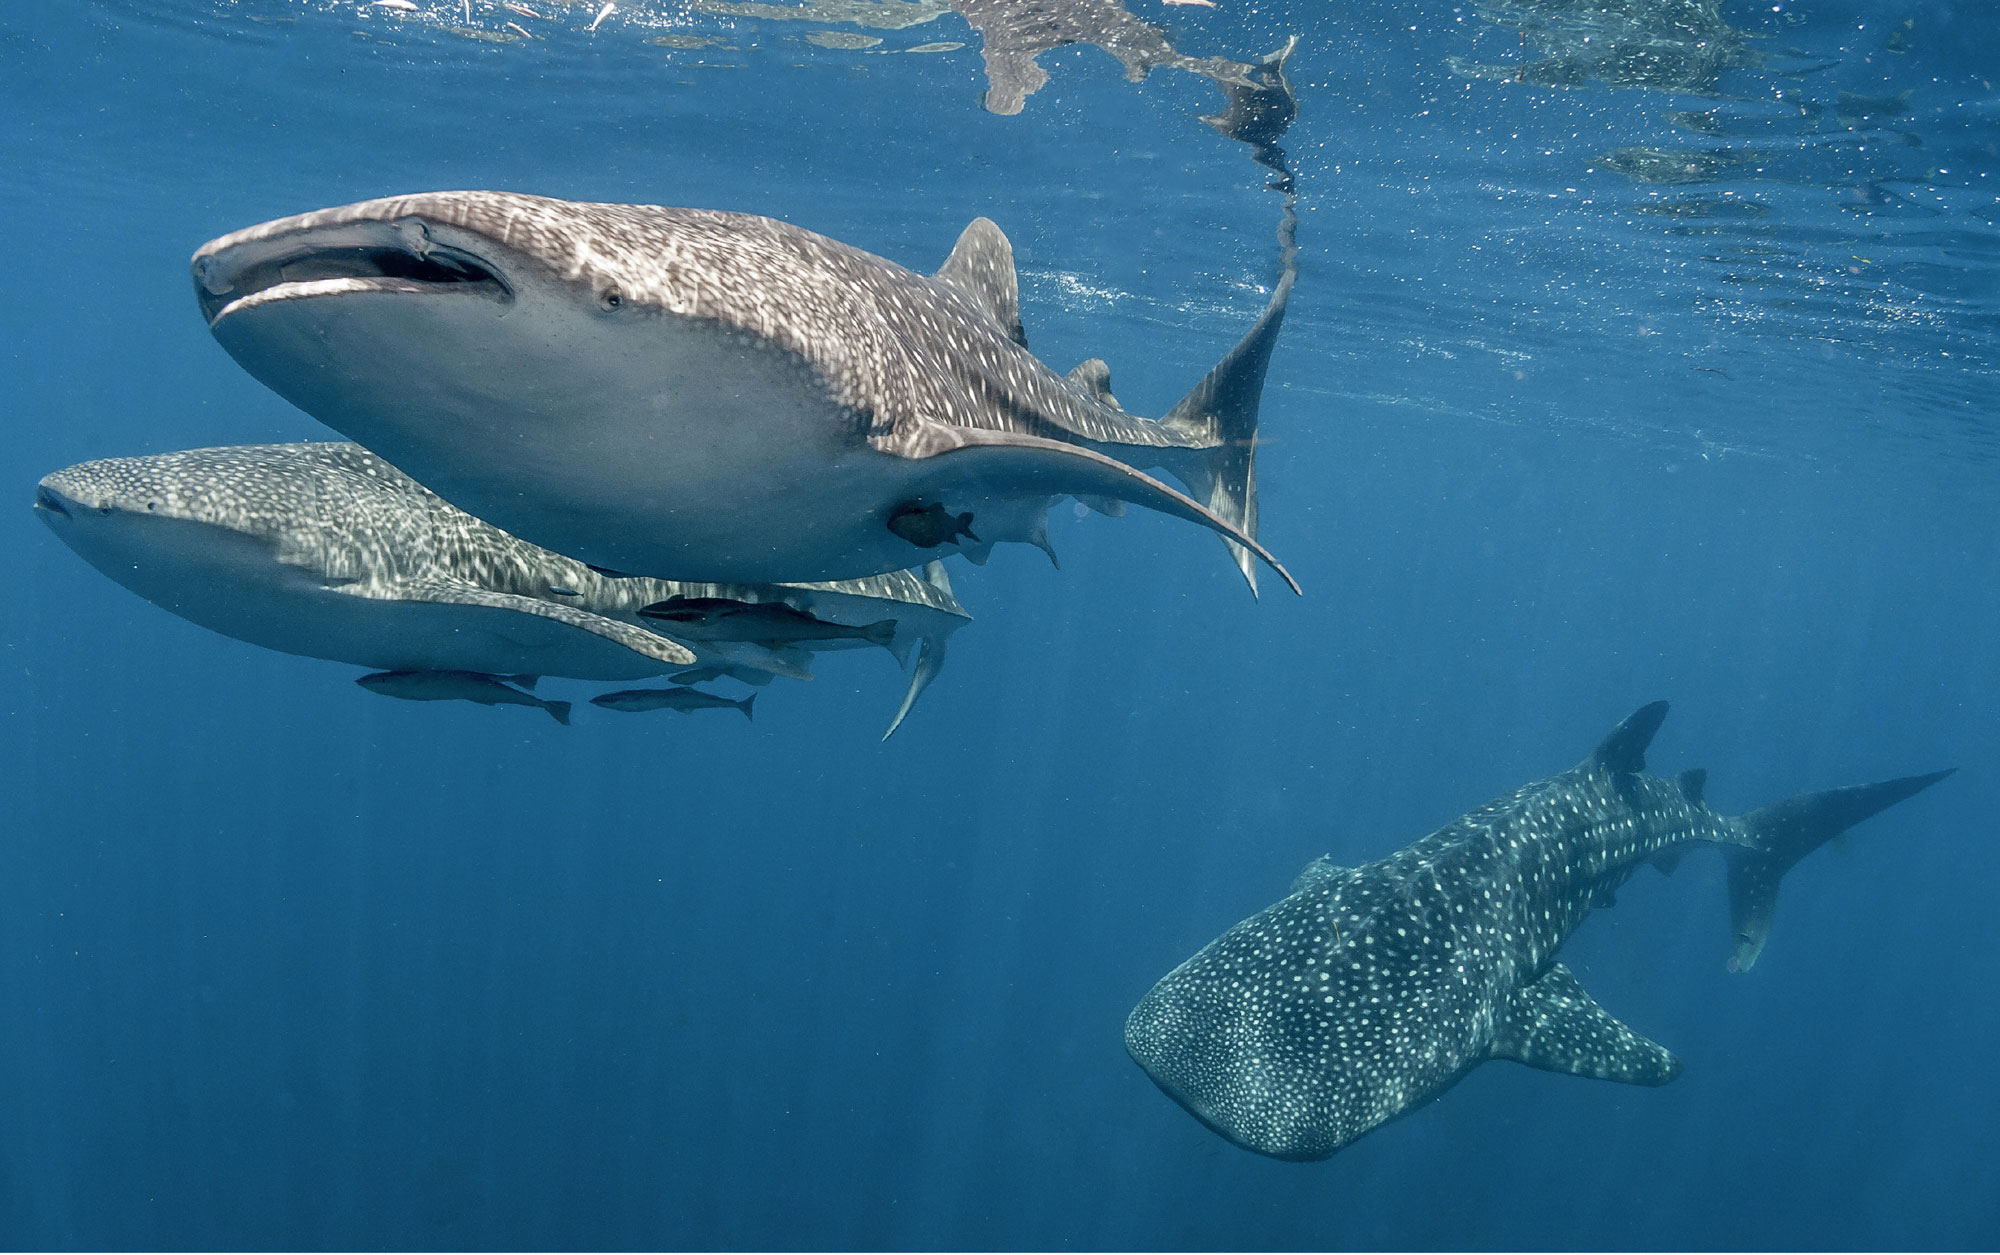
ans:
(685, 700)
(460, 686)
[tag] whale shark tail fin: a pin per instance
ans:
(1222, 410)
(1783, 833)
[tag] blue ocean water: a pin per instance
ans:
(1642, 350)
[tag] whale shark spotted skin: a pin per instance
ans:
(708, 396)
(1368, 991)
(328, 551)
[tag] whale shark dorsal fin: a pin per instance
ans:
(455, 593)
(1316, 873)
(1693, 782)
(981, 265)
(1555, 1026)
(1094, 377)
(1625, 749)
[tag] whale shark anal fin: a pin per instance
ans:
(452, 593)
(1555, 1026)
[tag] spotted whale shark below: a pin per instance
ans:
(326, 550)
(701, 395)
(1368, 991)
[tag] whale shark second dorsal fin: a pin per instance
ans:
(1693, 782)
(1624, 750)
(981, 266)
(1556, 1026)
(1094, 377)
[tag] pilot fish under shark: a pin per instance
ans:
(326, 550)
(1369, 991)
(699, 395)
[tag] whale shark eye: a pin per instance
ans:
(611, 298)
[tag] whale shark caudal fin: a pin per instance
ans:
(1555, 1026)
(1223, 407)
(981, 266)
(1783, 833)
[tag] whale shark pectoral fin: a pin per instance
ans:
(637, 639)
(981, 266)
(1557, 1027)
(1039, 465)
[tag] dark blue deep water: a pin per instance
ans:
(1640, 350)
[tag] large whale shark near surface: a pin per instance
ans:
(327, 551)
(702, 395)
(1369, 991)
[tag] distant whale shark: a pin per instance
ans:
(710, 396)
(1369, 991)
(328, 551)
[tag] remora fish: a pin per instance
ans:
(685, 700)
(458, 686)
(325, 550)
(1371, 990)
(706, 395)
(711, 618)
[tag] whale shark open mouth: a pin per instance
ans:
(361, 258)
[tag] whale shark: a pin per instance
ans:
(1368, 991)
(702, 395)
(328, 551)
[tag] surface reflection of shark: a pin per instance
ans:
(1671, 45)
(1014, 33)
(327, 551)
(1369, 991)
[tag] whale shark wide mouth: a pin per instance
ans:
(50, 502)
(356, 258)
